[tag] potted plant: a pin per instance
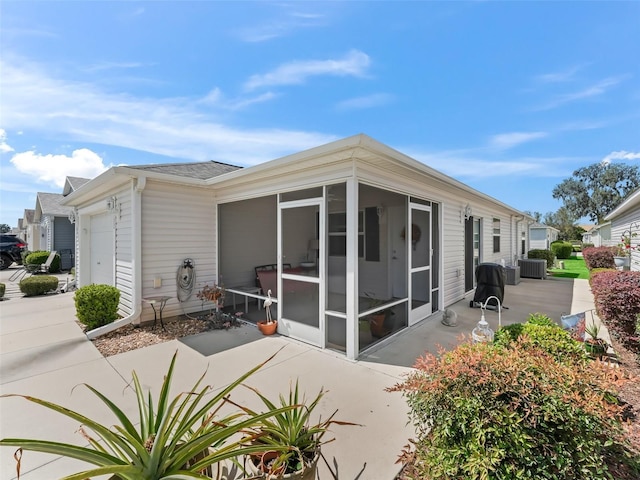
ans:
(214, 294)
(175, 438)
(290, 442)
(378, 321)
(622, 251)
(268, 326)
(594, 346)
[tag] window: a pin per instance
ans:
(496, 235)
(524, 242)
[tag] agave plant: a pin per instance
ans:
(290, 433)
(174, 439)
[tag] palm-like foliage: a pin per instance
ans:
(290, 431)
(170, 433)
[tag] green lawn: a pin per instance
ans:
(574, 267)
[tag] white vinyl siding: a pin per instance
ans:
(623, 224)
(178, 222)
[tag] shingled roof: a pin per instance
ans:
(199, 170)
(71, 184)
(49, 204)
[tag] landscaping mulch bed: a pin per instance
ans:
(132, 337)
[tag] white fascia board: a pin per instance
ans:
(332, 148)
(628, 204)
(370, 145)
(394, 155)
(117, 176)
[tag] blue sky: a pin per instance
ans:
(508, 97)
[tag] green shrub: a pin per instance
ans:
(38, 285)
(547, 255)
(2, 289)
(485, 412)
(541, 319)
(562, 250)
(543, 333)
(39, 257)
(97, 305)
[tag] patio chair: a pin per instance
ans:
(29, 269)
(44, 268)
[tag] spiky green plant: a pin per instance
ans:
(290, 432)
(169, 436)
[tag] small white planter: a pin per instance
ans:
(622, 261)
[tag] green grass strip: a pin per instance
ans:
(574, 267)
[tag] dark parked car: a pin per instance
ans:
(11, 248)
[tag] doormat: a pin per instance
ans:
(216, 341)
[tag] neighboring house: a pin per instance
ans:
(625, 221)
(588, 232)
(601, 235)
(541, 236)
(345, 222)
(30, 230)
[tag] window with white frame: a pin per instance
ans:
(496, 235)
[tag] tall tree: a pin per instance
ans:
(596, 190)
(536, 215)
(4, 228)
(565, 222)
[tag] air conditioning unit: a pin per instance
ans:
(533, 268)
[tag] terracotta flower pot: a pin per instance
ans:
(268, 328)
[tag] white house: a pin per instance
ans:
(541, 236)
(625, 222)
(52, 227)
(341, 224)
(600, 235)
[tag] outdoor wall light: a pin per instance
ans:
(467, 211)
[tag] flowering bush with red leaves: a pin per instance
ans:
(617, 299)
(598, 257)
(488, 412)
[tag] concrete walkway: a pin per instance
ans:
(45, 354)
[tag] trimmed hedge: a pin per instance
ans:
(562, 250)
(2, 290)
(40, 256)
(598, 257)
(595, 271)
(617, 300)
(97, 305)
(547, 255)
(38, 285)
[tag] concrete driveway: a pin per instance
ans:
(45, 354)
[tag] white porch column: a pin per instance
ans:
(352, 269)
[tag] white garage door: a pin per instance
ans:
(102, 249)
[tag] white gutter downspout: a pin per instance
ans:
(518, 238)
(136, 209)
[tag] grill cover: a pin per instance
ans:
(490, 278)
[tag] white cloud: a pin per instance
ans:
(559, 77)
(369, 101)
(54, 169)
(4, 147)
(505, 141)
(620, 155)
(594, 90)
(176, 127)
(282, 26)
(354, 63)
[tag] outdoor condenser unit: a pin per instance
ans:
(533, 268)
